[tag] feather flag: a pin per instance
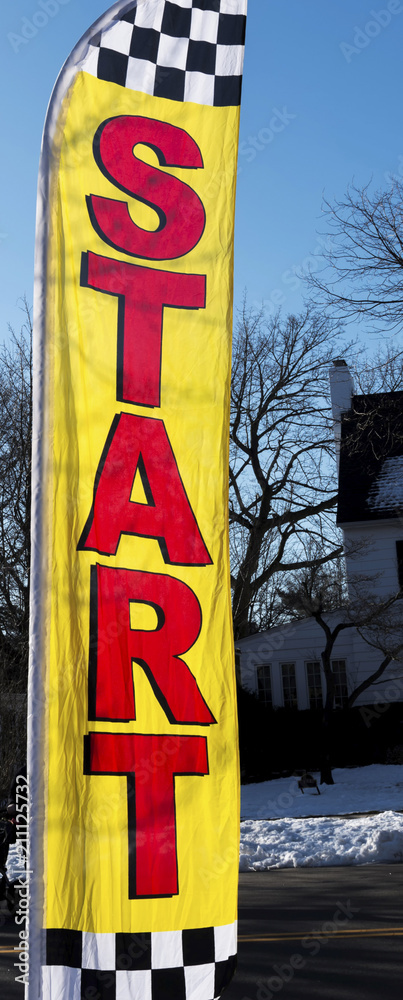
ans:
(133, 760)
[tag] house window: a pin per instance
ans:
(314, 679)
(399, 553)
(289, 685)
(340, 683)
(264, 684)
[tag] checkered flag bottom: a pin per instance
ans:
(169, 965)
(186, 50)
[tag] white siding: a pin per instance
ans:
(300, 641)
(376, 555)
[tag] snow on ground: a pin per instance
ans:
(275, 834)
(355, 790)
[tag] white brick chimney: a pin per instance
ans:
(341, 392)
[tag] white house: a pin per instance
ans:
(283, 665)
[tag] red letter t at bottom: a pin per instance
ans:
(151, 764)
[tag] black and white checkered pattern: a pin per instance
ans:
(169, 965)
(184, 50)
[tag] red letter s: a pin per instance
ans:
(179, 209)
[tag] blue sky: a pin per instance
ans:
(322, 103)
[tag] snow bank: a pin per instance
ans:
(292, 843)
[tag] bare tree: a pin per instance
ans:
(323, 596)
(382, 631)
(381, 371)
(363, 273)
(15, 501)
(314, 593)
(283, 484)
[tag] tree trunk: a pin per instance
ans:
(326, 777)
(369, 680)
(243, 591)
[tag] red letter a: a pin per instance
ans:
(141, 444)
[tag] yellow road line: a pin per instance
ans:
(311, 935)
(314, 935)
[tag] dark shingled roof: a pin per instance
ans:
(371, 459)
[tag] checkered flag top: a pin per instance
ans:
(184, 50)
(170, 965)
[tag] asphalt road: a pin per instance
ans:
(325, 933)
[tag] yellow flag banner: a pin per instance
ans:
(133, 758)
